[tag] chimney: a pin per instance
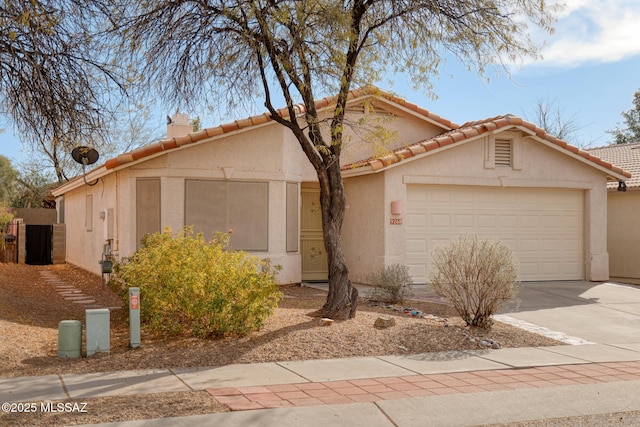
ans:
(178, 125)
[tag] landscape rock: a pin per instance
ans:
(326, 321)
(384, 322)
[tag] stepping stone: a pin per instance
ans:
(84, 301)
(76, 298)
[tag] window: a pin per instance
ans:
(236, 206)
(292, 217)
(147, 208)
(503, 152)
(88, 220)
(60, 209)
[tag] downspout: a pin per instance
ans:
(116, 223)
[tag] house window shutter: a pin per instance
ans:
(88, 220)
(503, 152)
(240, 206)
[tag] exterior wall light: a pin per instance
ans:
(396, 207)
(622, 186)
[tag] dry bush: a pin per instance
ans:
(391, 285)
(476, 276)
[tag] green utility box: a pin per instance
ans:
(70, 339)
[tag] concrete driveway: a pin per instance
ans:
(604, 313)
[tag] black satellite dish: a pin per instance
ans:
(85, 156)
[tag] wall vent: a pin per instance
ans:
(503, 152)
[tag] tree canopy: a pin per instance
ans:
(56, 80)
(298, 51)
(62, 62)
(8, 181)
(549, 116)
(630, 133)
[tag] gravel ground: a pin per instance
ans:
(30, 310)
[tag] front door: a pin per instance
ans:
(314, 257)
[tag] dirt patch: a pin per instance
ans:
(31, 308)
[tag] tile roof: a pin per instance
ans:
(191, 138)
(626, 156)
(470, 130)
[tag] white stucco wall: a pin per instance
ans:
(538, 166)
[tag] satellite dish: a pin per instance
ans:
(85, 156)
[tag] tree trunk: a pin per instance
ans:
(342, 299)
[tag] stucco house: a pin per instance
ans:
(502, 178)
(623, 231)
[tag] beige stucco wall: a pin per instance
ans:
(363, 229)
(85, 246)
(536, 165)
(363, 138)
(372, 236)
(624, 234)
(257, 155)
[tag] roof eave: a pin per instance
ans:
(79, 181)
(615, 173)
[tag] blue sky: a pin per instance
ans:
(591, 69)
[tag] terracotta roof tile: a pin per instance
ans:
(173, 143)
(431, 145)
(152, 149)
(417, 149)
(472, 129)
(622, 156)
(111, 163)
(169, 144)
(405, 153)
(211, 132)
(229, 127)
(183, 140)
(137, 154)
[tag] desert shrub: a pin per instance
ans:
(391, 285)
(476, 276)
(192, 287)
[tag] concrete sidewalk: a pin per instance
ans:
(451, 388)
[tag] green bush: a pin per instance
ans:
(197, 288)
(476, 276)
(391, 285)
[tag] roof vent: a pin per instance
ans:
(178, 125)
(503, 152)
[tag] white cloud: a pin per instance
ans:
(593, 31)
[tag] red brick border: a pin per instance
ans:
(387, 388)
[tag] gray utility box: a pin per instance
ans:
(98, 331)
(70, 338)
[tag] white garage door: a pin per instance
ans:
(544, 227)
